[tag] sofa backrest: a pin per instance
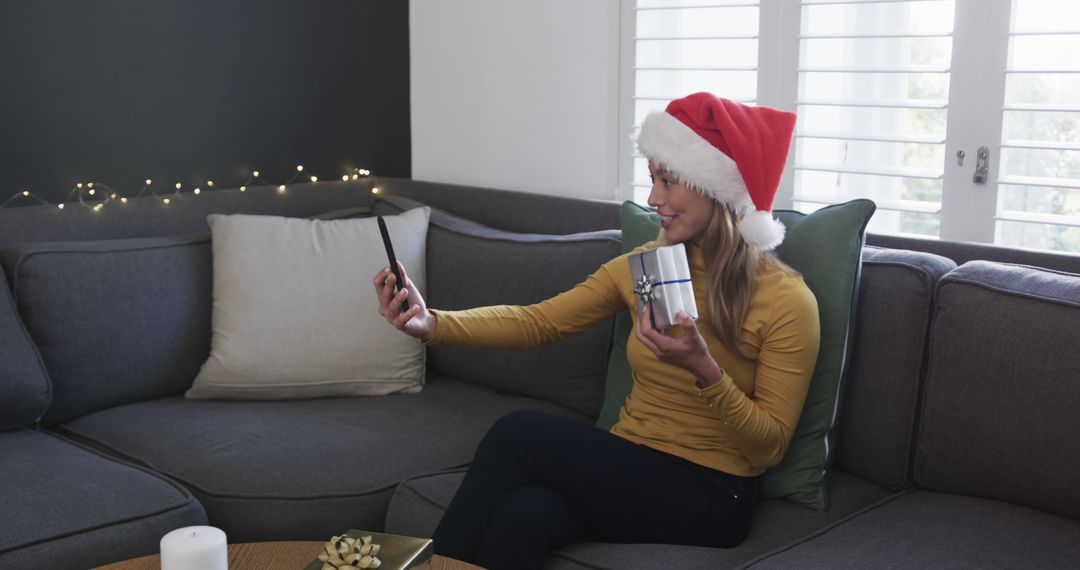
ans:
(877, 418)
(471, 265)
(115, 321)
(25, 391)
(518, 212)
(1000, 414)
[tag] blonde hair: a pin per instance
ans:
(733, 265)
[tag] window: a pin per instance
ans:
(895, 100)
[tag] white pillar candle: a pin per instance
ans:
(194, 548)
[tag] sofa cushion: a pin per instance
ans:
(1000, 415)
(66, 507)
(301, 469)
(923, 529)
(23, 381)
(116, 321)
(470, 265)
(876, 433)
(419, 503)
(294, 312)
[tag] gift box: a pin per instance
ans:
(662, 280)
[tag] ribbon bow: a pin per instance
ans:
(643, 288)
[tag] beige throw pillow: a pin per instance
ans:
(295, 314)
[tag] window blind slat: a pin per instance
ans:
(892, 103)
(1038, 218)
(905, 69)
(1041, 181)
(894, 205)
(875, 137)
(696, 68)
(900, 171)
(1041, 145)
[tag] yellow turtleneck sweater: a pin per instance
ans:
(741, 425)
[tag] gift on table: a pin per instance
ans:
(662, 279)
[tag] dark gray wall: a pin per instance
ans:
(117, 91)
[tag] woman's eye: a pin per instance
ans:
(668, 182)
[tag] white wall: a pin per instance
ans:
(516, 94)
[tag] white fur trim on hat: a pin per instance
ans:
(692, 159)
(760, 229)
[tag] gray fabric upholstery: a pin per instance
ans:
(302, 469)
(116, 321)
(419, 503)
(65, 507)
(962, 252)
(25, 391)
(923, 529)
(147, 216)
(1000, 417)
(877, 421)
(461, 276)
(519, 212)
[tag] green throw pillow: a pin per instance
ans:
(826, 248)
(639, 226)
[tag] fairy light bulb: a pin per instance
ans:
(167, 201)
(345, 178)
(198, 191)
(355, 176)
(60, 206)
(299, 167)
(178, 185)
(148, 182)
(113, 195)
(123, 200)
(374, 190)
(255, 174)
(97, 208)
(281, 188)
(25, 192)
(90, 185)
(210, 183)
(243, 188)
(79, 185)
(314, 178)
(92, 191)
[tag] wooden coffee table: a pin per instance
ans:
(271, 556)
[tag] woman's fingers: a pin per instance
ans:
(405, 317)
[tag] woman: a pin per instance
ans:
(714, 403)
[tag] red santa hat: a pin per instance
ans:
(731, 152)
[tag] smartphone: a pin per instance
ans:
(400, 284)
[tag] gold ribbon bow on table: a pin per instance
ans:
(348, 553)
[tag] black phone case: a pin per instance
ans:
(400, 284)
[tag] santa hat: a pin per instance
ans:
(733, 153)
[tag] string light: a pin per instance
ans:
(108, 194)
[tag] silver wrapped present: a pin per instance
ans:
(662, 279)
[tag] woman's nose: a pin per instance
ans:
(655, 195)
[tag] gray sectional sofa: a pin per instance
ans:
(958, 440)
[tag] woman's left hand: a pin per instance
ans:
(689, 352)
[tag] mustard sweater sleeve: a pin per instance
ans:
(523, 327)
(761, 424)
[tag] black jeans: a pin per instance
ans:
(540, 482)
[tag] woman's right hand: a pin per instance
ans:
(418, 321)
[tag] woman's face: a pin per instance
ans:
(684, 212)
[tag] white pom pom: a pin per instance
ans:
(761, 230)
